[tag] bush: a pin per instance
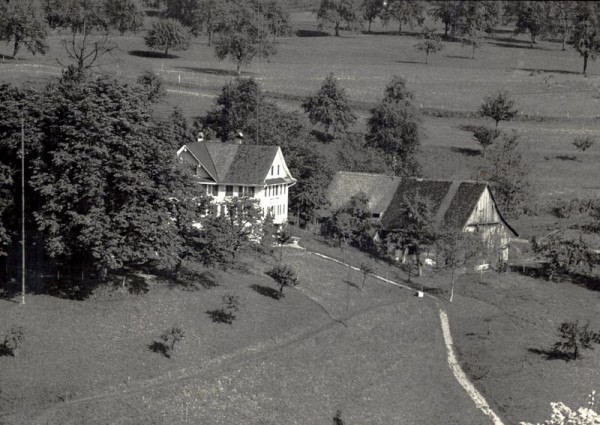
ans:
(152, 85)
(583, 142)
(226, 314)
(485, 136)
(11, 342)
(167, 34)
(169, 338)
(566, 208)
(284, 275)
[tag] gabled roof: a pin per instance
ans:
(452, 202)
(379, 188)
(235, 164)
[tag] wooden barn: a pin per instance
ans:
(466, 206)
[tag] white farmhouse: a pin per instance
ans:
(234, 169)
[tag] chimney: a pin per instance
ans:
(239, 138)
(200, 137)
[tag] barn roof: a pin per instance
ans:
(233, 163)
(452, 202)
(378, 187)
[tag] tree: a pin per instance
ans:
(415, 227)
(22, 23)
(394, 128)
(284, 275)
(283, 236)
(583, 143)
(477, 18)
(430, 43)
(366, 269)
(118, 209)
(508, 172)
(486, 136)
(457, 249)
(336, 12)
(574, 338)
(561, 22)
(351, 224)
(85, 49)
(183, 11)
(586, 31)
(357, 156)
(499, 107)
(242, 46)
(563, 254)
(329, 107)
(405, 12)
(80, 16)
(167, 34)
(448, 12)
(371, 9)
(124, 15)
(396, 91)
(152, 85)
(532, 17)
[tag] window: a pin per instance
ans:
(228, 190)
(215, 190)
(222, 210)
(250, 191)
(277, 169)
(272, 169)
(269, 190)
(276, 189)
(241, 190)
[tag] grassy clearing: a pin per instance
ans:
(282, 361)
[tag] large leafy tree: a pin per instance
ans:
(394, 128)
(499, 107)
(562, 19)
(371, 9)
(108, 182)
(351, 223)
(22, 23)
(329, 107)
(429, 43)
(81, 16)
(124, 15)
(476, 19)
(586, 31)
(508, 172)
(337, 12)
(243, 36)
(404, 12)
(448, 12)
(167, 34)
(531, 17)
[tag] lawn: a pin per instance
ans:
(375, 353)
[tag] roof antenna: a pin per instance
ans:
(200, 137)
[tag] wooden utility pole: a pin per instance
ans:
(23, 272)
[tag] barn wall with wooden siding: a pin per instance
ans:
(486, 221)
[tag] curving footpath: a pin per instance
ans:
(457, 371)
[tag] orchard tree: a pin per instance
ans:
(124, 15)
(357, 156)
(371, 9)
(448, 12)
(405, 12)
(329, 107)
(22, 23)
(242, 46)
(508, 172)
(532, 17)
(284, 275)
(477, 18)
(336, 12)
(396, 91)
(152, 85)
(586, 31)
(430, 43)
(80, 16)
(561, 22)
(499, 107)
(564, 254)
(167, 34)
(351, 224)
(394, 128)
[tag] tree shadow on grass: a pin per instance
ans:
(458, 57)
(267, 292)
(353, 284)
(567, 158)
(552, 354)
(159, 347)
(211, 71)
(547, 71)
(311, 33)
(466, 151)
(416, 62)
(151, 54)
(221, 316)
(514, 46)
